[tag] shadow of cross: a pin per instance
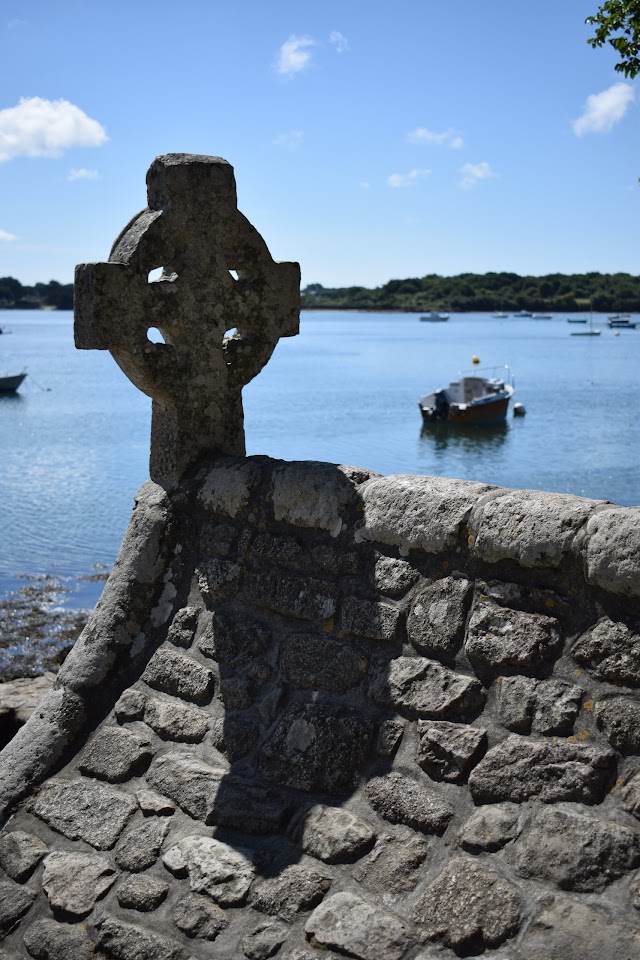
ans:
(219, 330)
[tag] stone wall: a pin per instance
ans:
(322, 713)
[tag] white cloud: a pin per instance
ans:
(407, 179)
(449, 138)
(46, 128)
(365, 184)
(290, 140)
(15, 23)
(603, 110)
(82, 174)
(339, 41)
(472, 173)
(5, 235)
(294, 55)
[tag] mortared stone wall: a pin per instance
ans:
(320, 713)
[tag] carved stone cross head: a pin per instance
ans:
(221, 305)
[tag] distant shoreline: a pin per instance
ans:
(333, 309)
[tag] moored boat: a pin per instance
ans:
(622, 321)
(472, 399)
(434, 317)
(11, 383)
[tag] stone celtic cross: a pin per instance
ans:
(221, 305)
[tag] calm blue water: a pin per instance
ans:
(345, 390)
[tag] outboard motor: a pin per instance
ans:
(441, 406)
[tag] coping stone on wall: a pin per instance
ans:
(534, 528)
(228, 485)
(417, 513)
(612, 550)
(307, 493)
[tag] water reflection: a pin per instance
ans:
(443, 437)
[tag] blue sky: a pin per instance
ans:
(369, 140)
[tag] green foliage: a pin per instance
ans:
(617, 22)
(13, 295)
(485, 292)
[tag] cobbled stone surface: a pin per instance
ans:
(333, 834)
(115, 755)
(83, 810)
(540, 706)
(468, 907)
(130, 706)
(489, 828)
(400, 799)
(197, 917)
(139, 847)
(183, 627)
(311, 661)
(294, 889)
(435, 625)
(389, 737)
(409, 738)
(285, 550)
(576, 852)
(448, 751)
(49, 940)
(218, 578)
(393, 577)
(217, 538)
(610, 651)
(619, 718)
(234, 640)
(181, 676)
(302, 597)
(20, 853)
(153, 804)
(74, 881)
(188, 781)
(631, 797)
(372, 619)
(394, 865)
(15, 900)
(128, 941)
(264, 941)
(316, 748)
(501, 639)
(520, 769)
(570, 929)
(425, 688)
(142, 893)
(222, 872)
(175, 721)
(361, 929)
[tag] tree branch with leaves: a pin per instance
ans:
(617, 23)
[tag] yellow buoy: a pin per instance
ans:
(475, 359)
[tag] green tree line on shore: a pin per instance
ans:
(556, 292)
(52, 295)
